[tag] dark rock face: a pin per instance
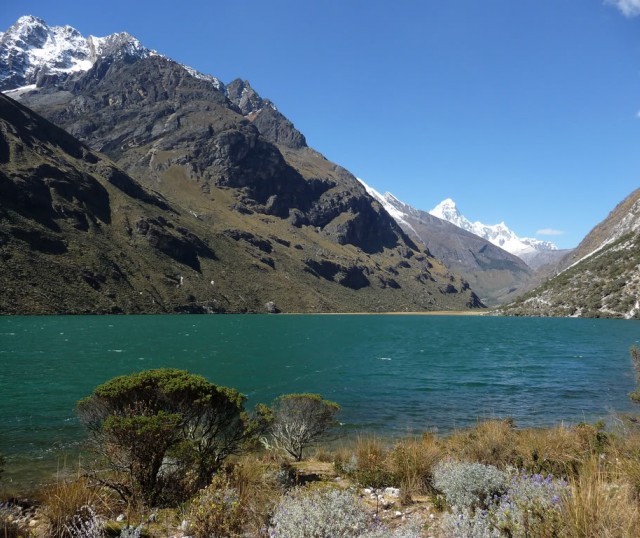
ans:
(351, 277)
(153, 105)
(177, 243)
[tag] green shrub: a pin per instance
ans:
(167, 420)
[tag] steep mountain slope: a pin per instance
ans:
(284, 224)
(500, 235)
(494, 274)
(601, 278)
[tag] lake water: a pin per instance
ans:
(392, 375)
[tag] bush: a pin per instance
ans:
(468, 524)
(469, 485)
(240, 499)
(411, 529)
(320, 513)
(216, 511)
(299, 420)
(167, 420)
(86, 524)
(531, 507)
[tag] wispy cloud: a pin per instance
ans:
(629, 8)
(549, 231)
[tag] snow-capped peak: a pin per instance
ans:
(31, 49)
(498, 234)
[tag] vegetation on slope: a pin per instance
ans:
(605, 284)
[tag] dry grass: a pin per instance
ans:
(69, 499)
(559, 451)
(257, 486)
(412, 461)
(601, 504)
(492, 442)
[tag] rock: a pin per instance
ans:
(184, 526)
(392, 492)
(120, 518)
(271, 307)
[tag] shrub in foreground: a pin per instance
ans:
(330, 513)
(469, 485)
(320, 513)
(142, 421)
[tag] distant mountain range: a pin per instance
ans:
(498, 234)
(173, 192)
(151, 187)
(495, 274)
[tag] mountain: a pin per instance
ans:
(31, 51)
(601, 278)
(525, 248)
(240, 212)
(493, 273)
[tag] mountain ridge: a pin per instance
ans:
(495, 274)
(287, 226)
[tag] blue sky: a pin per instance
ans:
(525, 111)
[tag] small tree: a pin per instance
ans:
(165, 419)
(299, 420)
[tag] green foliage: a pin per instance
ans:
(299, 420)
(165, 426)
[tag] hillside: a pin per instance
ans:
(601, 278)
(274, 221)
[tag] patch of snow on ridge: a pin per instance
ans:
(31, 49)
(498, 234)
(384, 200)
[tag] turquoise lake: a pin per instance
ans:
(392, 375)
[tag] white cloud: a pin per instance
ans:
(549, 231)
(629, 8)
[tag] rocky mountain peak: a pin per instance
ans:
(241, 94)
(498, 234)
(31, 50)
